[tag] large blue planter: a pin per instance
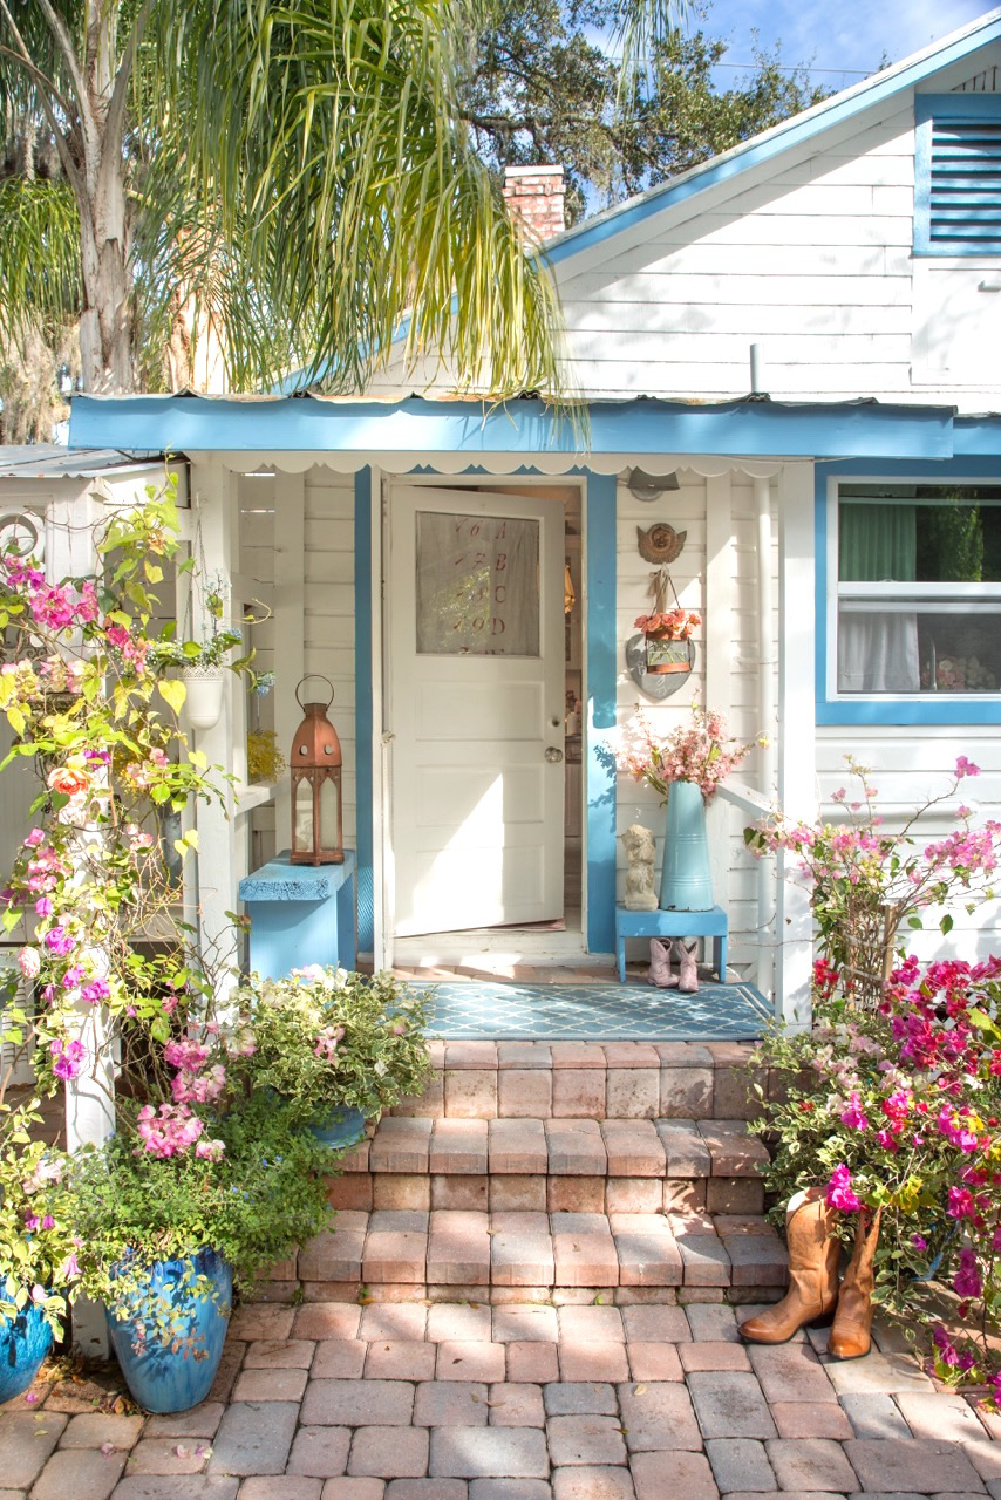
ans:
(343, 1128)
(170, 1346)
(685, 877)
(25, 1340)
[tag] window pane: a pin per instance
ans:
(909, 650)
(919, 533)
(477, 585)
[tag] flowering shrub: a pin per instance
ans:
(899, 1107)
(669, 625)
(701, 753)
(327, 1038)
(866, 881)
(81, 693)
(38, 1227)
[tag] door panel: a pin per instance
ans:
(475, 699)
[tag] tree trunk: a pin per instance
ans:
(106, 319)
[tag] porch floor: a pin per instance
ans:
(582, 1010)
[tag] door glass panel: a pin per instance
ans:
(477, 585)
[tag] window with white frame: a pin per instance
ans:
(918, 599)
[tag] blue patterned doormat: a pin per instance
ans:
(509, 1012)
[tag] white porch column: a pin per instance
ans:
(721, 574)
(216, 522)
(290, 630)
(71, 524)
(797, 732)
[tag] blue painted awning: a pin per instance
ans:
(748, 428)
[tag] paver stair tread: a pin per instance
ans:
(566, 1147)
(539, 1250)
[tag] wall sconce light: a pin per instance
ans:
(650, 486)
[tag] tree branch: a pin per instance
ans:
(47, 88)
(65, 43)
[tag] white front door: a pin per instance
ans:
(475, 708)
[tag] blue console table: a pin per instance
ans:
(672, 924)
(300, 915)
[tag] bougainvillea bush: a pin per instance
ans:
(899, 1107)
(893, 1099)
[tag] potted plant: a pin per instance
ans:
(38, 1245)
(668, 633)
(338, 1047)
(201, 663)
(184, 1200)
(686, 769)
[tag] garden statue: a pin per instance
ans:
(640, 894)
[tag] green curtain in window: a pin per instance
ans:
(876, 543)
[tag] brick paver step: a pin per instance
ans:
(554, 1165)
(497, 1256)
(588, 1080)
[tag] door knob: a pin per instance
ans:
(553, 755)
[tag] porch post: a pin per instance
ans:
(721, 573)
(600, 686)
(70, 551)
(797, 734)
(290, 629)
(217, 518)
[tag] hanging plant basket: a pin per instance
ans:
(203, 702)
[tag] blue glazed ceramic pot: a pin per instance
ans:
(25, 1340)
(686, 879)
(343, 1127)
(170, 1347)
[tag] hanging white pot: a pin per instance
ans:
(203, 702)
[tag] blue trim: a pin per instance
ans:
(203, 424)
(929, 110)
(930, 709)
(602, 673)
(800, 130)
(364, 747)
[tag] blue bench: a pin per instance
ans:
(672, 924)
(300, 915)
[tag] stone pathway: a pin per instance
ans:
(459, 1401)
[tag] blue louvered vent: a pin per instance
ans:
(965, 198)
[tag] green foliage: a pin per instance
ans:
(38, 1226)
(542, 85)
(327, 1038)
(265, 1195)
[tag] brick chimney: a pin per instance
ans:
(535, 195)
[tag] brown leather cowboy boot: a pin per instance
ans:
(851, 1332)
(813, 1271)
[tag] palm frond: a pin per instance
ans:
(39, 253)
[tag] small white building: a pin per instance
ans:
(799, 342)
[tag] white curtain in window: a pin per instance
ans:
(878, 653)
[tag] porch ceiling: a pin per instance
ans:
(452, 436)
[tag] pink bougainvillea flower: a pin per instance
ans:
(29, 962)
(965, 767)
(840, 1194)
(966, 1282)
(68, 1058)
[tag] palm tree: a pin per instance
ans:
(295, 173)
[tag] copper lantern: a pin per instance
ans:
(315, 763)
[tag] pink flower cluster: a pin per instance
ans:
(326, 1045)
(52, 606)
(173, 1130)
(702, 753)
(193, 1084)
(840, 1194)
(67, 1058)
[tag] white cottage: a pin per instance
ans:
(798, 342)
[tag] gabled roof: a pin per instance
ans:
(786, 136)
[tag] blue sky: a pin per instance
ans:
(845, 34)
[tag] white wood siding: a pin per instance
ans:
(732, 633)
(328, 592)
(908, 766)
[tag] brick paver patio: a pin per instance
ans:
(460, 1401)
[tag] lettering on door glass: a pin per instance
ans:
(477, 585)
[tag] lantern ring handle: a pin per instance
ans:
(321, 677)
